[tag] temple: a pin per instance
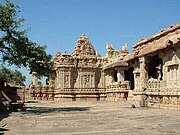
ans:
(149, 76)
(84, 74)
(155, 63)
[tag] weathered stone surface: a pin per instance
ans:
(89, 118)
(85, 74)
(156, 63)
(152, 69)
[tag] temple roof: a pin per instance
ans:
(118, 63)
(160, 34)
(83, 47)
(172, 40)
(156, 42)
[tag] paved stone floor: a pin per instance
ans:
(90, 118)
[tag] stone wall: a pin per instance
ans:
(163, 90)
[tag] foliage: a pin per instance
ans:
(12, 76)
(15, 47)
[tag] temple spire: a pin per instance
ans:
(83, 47)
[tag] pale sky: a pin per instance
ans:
(58, 23)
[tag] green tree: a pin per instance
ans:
(15, 47)
(18, 78)
(12, 76)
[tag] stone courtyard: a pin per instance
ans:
(90, 117)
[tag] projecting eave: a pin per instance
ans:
(131, 56)
(115, 64)
(172, 41)
(155, 36)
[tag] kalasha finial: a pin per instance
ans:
(58, 54)
(83, 37)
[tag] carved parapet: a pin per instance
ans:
(118, 86)
(153, 85)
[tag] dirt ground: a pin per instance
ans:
(89, 118)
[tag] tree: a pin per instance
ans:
(12, 76)
(15, 47)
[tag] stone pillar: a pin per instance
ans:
(103, 79)
(57, 78)
(120, 75)
(80, 77)
(140, 78)
(35, 78)
(136, 79)
(143, 73)
(61, 79)
(93, 81)
(67, 79)
(90, 81)
(111, 80)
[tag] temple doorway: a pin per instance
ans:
(129, 76)
(155, 67)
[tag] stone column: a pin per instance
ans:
(80, 77)
(61, 79)
(103, 80)
(57, 78)
(110, 77)
(94, 80)
(164, 56)
(120, 75)
(107, 78)
(136, 79)
(35, 78)
(143, 73)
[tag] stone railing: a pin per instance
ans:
(81, 90)
(41, 88)
(117, 91)
(118, 87)
(42, 92)
(156, 85)
(153, 85)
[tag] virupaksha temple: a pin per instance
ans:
(149, 76)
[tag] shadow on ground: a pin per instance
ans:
(41, 110)
(2, 130)
(3, 115)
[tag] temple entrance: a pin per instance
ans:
(130, 77)
(114, 75)
(155, 67)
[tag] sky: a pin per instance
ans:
(59, 23)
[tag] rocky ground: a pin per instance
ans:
(90, 118)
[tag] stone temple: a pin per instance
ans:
(86, 75)
(149, 76)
